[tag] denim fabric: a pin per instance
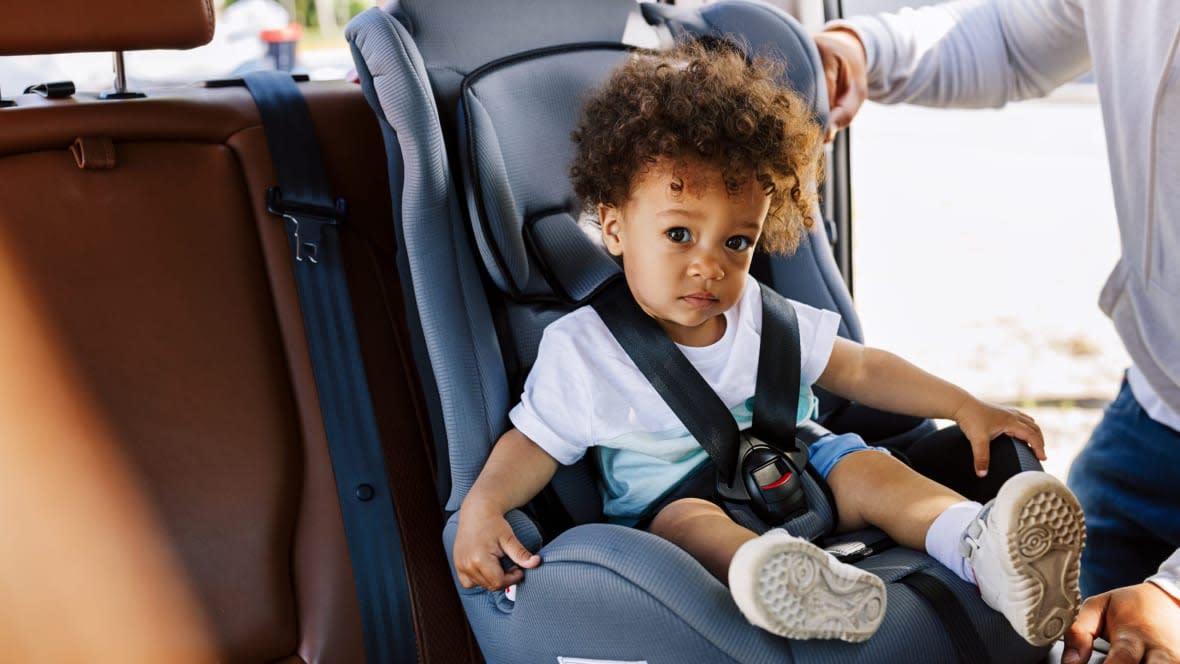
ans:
(1128, 481)
(825, 452)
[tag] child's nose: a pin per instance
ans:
(707, 266)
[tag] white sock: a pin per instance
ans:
(942, 540)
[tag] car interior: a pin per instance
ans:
(170, 491)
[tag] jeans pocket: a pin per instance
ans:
(1124, 404)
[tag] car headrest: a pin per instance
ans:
(66, 26)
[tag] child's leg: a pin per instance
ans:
(872, 488)
(704, 530)
(781, 583)
(1023, 549)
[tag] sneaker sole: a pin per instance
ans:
(1044, 550)
(805, 593)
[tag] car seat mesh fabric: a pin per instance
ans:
(520, 195)
(614, 593)
(604, 591)
(463, 352)
(453, 36)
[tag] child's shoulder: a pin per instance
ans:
(581, 327)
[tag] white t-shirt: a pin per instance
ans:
(585, 391)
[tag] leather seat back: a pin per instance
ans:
(138, 236)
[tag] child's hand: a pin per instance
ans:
(981, 422)
(484, 536)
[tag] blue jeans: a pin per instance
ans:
(1128, 481)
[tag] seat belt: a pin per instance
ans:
(303, 199)
(674, 378)
(964, 637)
(763, 470)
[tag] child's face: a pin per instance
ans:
(686, 244)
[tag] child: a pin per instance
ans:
(693, 157)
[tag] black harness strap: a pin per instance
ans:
(674, 378)
(699, 408)
(966, 640)
(311, 215)
(777, 390)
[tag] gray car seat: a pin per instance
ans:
(476, 102)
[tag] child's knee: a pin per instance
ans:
(675, 515)
(865, 465)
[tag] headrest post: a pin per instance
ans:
(120, 91)
(120, 73)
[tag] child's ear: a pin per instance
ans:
(609, 221)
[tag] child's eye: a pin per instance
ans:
(738, 243)
(678, 235)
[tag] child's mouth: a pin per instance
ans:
(700, 300)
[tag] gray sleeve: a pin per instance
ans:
(1168, 577)
(973, 53)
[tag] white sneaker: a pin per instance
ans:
(791, 587)
(1025, 549)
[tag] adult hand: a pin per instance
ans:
(843, 58)
(1142, 623)
(982, 422)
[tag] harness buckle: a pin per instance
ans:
(770, 481)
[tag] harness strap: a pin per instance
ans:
(674, 378)
(691, 398)
(777, 391)
(963, 635)
(312, 215)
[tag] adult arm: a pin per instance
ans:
(1142, 622)
(968, 53)
(516, 470)
(882, 380)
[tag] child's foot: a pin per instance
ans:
(789, 586)
(1025, 547)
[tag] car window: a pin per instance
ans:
(982, 238)
(306, 36)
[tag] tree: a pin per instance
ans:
(325, 12)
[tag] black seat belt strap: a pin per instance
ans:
(674, 378)
(304, 200)
(777, 391)
(965, 639)
(687, 393)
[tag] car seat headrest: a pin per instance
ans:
(516, 117)
(457, 36)
(763, 29)
(67, 26)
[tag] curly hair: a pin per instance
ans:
(705, 101)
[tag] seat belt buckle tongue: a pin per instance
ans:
(307, 221)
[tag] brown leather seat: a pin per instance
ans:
(165, 488)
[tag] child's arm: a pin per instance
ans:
(516, 470)
(883, 380)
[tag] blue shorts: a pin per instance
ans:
(701, 483)
(826, 452)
